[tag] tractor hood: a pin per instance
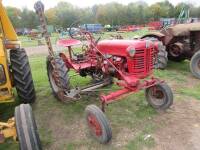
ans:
(120, 47)
(183, 29)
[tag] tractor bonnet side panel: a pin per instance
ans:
(119, 47)
(141, 64)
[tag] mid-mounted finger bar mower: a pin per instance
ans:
(130, 62)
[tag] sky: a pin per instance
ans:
(83, 3)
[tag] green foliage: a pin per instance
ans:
(22, 18)
(64, 14)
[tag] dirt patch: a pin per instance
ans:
(123, 137)
(192, 82)
(179, 129)
(39, 50)
(63, 131)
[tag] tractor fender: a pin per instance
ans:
(157, 35)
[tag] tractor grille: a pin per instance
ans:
(142, 63)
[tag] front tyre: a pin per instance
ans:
(159, 96)
(98, 124)
(195, 65)
(27, 132)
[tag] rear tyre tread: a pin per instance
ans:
(162, 59)
(62, 74)
(22, 75)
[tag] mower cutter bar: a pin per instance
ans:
(75, 93)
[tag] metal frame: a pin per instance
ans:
(8, 130)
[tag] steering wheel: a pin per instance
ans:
(81, 34)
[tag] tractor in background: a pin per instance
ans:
(129, 62)
(15, 72)
(182, 41)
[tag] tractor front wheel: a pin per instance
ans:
(98, 124)
(195, 65)
(27, 133)
(159, 96)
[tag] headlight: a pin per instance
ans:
(2, 75)
(131, 51)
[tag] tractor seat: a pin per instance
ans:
(68, 42)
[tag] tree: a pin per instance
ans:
(14, 15)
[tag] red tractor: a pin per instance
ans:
(130, 62)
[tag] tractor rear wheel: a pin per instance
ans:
(26, 127)
(98, 124)
(162, 56)
(195, 65)
(162, 59)
(63, 78)
(159, 96)
(22, 75)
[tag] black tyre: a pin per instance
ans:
(159, 96)
(179, 58)
(195, 65)
(98, 124)
(26, 127)
(22, 75)
(162, 56)
(162, 59)
(62, 72)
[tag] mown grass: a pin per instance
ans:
(131, 113)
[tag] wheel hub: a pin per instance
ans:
(175, 51)
(94, 125)
(157, 96)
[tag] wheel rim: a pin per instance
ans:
(157, 96)
(94, 125)
(175, 51)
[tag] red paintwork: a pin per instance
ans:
(141, 64)
(68, 42)
(155, 25)
(106, 99)
(94, 125)
(112, 57)
(129, 28)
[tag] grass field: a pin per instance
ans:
(61, 126)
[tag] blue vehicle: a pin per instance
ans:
(93, 28)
